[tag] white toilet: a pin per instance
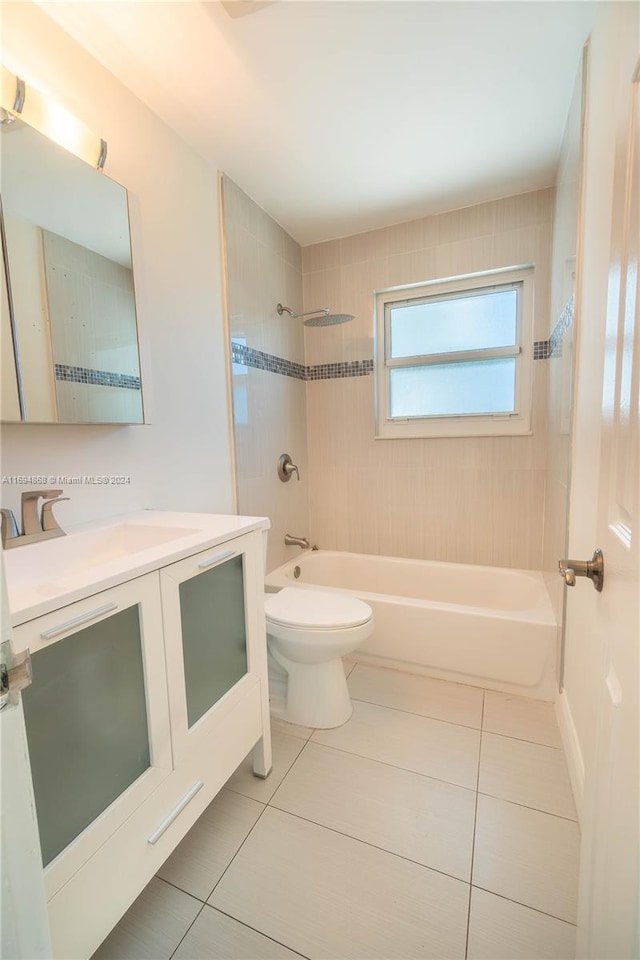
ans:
(308, 632)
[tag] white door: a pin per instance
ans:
(25, 926)
(603, 628)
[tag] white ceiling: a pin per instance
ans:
(339, 116)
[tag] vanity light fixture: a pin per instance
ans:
(17, 102)
(7, 117)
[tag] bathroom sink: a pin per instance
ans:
(95, 556)
(49, 564)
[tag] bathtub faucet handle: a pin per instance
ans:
(286, 468)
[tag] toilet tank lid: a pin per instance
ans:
(297, 607)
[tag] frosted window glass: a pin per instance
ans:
(453, 389)
(86, 720)
(476, 322)
(214, 637)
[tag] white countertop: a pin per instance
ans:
(44, 576)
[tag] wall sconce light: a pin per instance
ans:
(17, 102)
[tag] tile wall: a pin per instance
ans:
(475, 500)
(264, 268)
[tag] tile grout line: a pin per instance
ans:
(206, 903)
(248, 927)
(527, 806)
(455, 723)
(289, 769)
(526, 906)
(415, 773)
(411, 713)
(394, 766)
(367, 843)
(257, 821)
(475, 825)
(173, 952)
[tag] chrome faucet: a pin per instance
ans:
(296, 541)
(35, 526)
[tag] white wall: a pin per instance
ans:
(181, 460)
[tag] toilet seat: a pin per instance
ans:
(315, 610)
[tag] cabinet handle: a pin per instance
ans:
(216, 559)
(76, 621)
(166, 823)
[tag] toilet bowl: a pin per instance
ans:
(308, 633)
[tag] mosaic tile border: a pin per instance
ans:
(338, 371)
(102, 378)
(565, 321)
(541, 350)
(247, 356)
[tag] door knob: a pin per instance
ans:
(593, 569)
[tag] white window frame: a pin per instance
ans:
(517, 423)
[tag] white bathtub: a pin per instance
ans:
(487, 626)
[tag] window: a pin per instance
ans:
(454, 357)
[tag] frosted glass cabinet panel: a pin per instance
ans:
(97, 718)
(212, 637)
(214, 634)
(87, 728)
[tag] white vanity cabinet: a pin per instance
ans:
(145, 698)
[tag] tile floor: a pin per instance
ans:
(437, 823)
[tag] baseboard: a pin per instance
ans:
(572, 750)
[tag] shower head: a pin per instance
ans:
(322, 319)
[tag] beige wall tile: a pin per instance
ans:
(321, 256)
(475, 500)
(405, 237)
(475, 221)
(263, 269)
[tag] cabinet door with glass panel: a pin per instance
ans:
(97, 719)
(215, 644)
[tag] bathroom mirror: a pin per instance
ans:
(69, 333)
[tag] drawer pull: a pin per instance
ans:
(218, 557)
(77, 621)
(175, 813)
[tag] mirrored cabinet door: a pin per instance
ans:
(96, 717)
(68, 288)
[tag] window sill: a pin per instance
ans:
(454, 427)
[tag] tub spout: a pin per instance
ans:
(296, 541)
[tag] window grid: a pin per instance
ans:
(398, 420)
